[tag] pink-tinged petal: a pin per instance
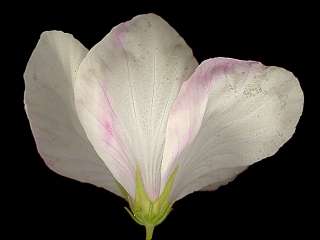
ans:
(233, 114)
(186, 115)
(124, 90)
(49, 104)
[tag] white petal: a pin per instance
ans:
(252, 111)
(49, 103)
(124, 91)
(185, 119)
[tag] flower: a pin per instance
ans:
(139, 117)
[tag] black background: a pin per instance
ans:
(271, 199)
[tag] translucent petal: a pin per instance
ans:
(185, 119)
(251, 111)
(49, 103)
(124, 91)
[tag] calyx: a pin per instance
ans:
(147, 212)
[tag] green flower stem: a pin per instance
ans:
(149, 231)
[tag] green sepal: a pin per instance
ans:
(131, 215)
(147, 212)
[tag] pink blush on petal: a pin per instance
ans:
(108, 128)
(119, 34)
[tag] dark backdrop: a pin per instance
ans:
(271, 199)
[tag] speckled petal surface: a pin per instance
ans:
(125, 88)
(251, 111)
